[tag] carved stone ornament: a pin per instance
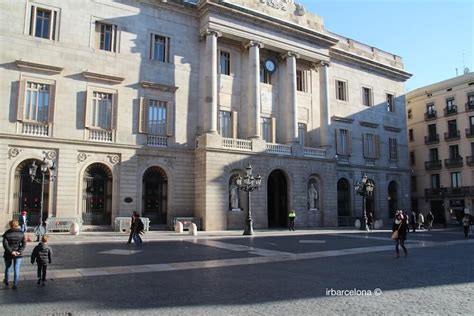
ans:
(300, 9)
(278, 4)
(51, 155)
(13, 152)
(82, 157)
(114, 159)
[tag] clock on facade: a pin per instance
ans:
(270, 65)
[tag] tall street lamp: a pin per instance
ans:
(248, 183)
(365, 189)
(45, 167)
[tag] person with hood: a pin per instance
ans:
(399, 233)
(42, 255)
(14, 243)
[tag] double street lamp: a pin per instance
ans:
(365, 189)
(248, 183)
(46, 167)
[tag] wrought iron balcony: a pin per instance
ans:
(430, 115)
(448, 192)
(470, 160)
(451, 110)
(436, 192)
(432, 139)
(453, 163)
(470, 132)
(450, 136)
(470, 106)
(433, 165)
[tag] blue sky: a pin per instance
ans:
(430, 35)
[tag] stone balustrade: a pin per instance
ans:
(156, 141)
(278, 149)
(237, 144)
(34, 129)
(314, 152)
(98, 135)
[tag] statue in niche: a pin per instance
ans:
(234, 196)
(312, 195)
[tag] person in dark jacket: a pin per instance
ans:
(23, 221)
(137, 229)
(14, 243)
(42, 255)
(401, 226)
(131, 227)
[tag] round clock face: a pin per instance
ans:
(270, 65)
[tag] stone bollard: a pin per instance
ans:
(74, 229)
(178, 228)
(193, 230)
(357, 224)
(378, 224)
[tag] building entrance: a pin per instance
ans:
(277, 200)
(97, 196)
(154, 201)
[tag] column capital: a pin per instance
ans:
(215, 33)
(290, 54)
(253, 44)
(322, 63)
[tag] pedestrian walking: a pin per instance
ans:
(291, 218)
(23, 221)
(420, 221)
(14, 243)
(42, 255)
(137, 229)
(466, 222)
(399, 233)
(131, 227)
(430, 219)
(413, 219)
(370, 221)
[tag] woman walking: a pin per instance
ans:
(14, 243)
(399, 232)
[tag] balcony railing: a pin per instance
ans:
(433, 165)
(470, 160)
(453, 163)
(279, 149)
(156, 141)
(469, 106)
(450, 111)
(430, 115)
(432, 139)
(35, 129)
(449, 192)
(450, 136)
(314, 152)
(470, 132)
(237, 144)
(99, 135)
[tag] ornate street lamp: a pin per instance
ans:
(365, 189)
(45, 167)
(248, 183)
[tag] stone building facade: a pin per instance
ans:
(441, 145)
(157, 106)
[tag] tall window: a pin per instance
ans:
(43, 23)
(456, 180)
(371, 143)
(102, 110)
(434, 154)
(391, 103)
(413, 184)
(412, 158)
(37, 102)
(224, 63)
(302, 134)
(392, 145)
(160, 47)
(454, 152)
(266, 129)
(432, 131)
(225, 124)
(106, 36)
(430, 109)
(343, 142)
(452, 128)
(409, 114)
(435, 181)
(265, 75)
(450, 105)
(156, 117)
(301, 81)
(470, 99)
(410, 135)
(471, 123)
(366, 96)
(341, 92)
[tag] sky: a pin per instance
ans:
(434, 37)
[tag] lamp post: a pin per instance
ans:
(248, 183)
(45, 167)
(365, 189)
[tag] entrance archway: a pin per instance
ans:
(344, 202)
(392, 199)
(97, 195)
(277, 200)
(27, 194)
(155, 193)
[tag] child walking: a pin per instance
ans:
(42, 255)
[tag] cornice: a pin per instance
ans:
(392, 128)
(102, 77)
(157, 86)
(342, 119)
(37, 67)
(368, 124)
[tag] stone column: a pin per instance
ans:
(210, 96)
(325, 117)
(291, 105)
(253, 113)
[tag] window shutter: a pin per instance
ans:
(142, 116)
(52, 103)
(21, 100)
(338, 142)
(33, 21)
(87, 106)
(167, 48)
(349, 143)
(115, 111)
(273, 127)
(377, 146)
(364, 144)
(234, 124)
(169, 118)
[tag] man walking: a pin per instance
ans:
(430, 219)
(291, 218)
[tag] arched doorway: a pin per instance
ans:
(97, 195)
(392, 199)
(27, 194)
(155, 192)
(370, 200)
(344, 202)
(277, 200)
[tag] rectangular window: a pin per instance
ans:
(371, 144)
(413, 183)
(432, 131)
(454, 152)
(225, 124)
(435, 181)
(471, 122)
(470, 100)
(392, 145)
(450, 105)
(410, 135)
(156, 117)
(343, 142)
(456, 180)
(101, 108)
(341, 90)
(301, 81)
(160, 47)
(391, 104)
(434, 154)
(452, 128)
(409, 114)
(224, 63)
(106, 36)
(37, 102)
(265, 75)
(43, 23)
(266, 129)
(366, 96)
(430, 109)
(412, 158)
(302, 134)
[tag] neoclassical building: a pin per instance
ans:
(157, 106)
